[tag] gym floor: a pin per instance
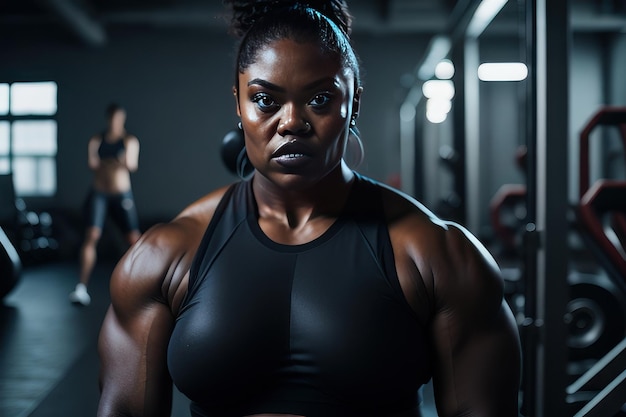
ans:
(48, 354)
(48, 347)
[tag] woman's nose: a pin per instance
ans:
(293, 122)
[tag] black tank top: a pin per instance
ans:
(320, 329)
(108, 149)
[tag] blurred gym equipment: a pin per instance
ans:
(234, 155)
(31, 233)
(450, 206)
(10, 265)
(596, 310)
(601, 216)
(507, 211)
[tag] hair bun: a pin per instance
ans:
(246, 13)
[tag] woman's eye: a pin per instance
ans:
(320, 100)
(264, 102)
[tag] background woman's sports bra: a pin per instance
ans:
(111, 150)
(319, 329)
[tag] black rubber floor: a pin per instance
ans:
(48, 358)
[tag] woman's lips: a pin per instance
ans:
(292, 154)
(292, 160)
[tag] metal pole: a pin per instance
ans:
(531, 240)
(552, 112)
(472, 135)
(459, 136)
(408, 138)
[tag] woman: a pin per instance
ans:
(112, 156)
(307, 290)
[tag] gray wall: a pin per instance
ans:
(618, 60)
(617, 95)
(586, 97)
(176, 86)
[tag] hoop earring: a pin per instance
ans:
(243, 164)
(244, 167)
(358, 152)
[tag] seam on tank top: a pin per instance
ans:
(199, 259)
(368, 185)
(380, 214)
(371, 250)
(396, 290)
(200, 277)
(293, 278)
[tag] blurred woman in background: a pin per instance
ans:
(112, 156)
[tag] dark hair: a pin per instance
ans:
(112, 109)
(258, 23)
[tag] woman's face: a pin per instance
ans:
(117, 121)
(295, 104)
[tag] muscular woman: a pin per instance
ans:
(308, 289)
(112, 156)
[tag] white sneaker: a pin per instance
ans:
(80, 295)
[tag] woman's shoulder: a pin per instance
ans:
(401, 208)
(130, 138)
(446, 254)
(96, 138)
(182, 234)
(157, 266)
(202, 210)
(404, 211)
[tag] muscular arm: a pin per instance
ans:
(454, 286)
(131, 156)
(93, 160)
(476, 344)
(145, 289)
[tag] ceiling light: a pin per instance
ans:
(502, 71)
(444, 69)
(441, 89)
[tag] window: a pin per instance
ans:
(28, 136)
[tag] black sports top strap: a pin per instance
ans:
(211, 240)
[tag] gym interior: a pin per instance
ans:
(508, 117)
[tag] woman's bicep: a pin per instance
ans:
(477, 366)
(134, 337)
(476, 344)
(93, 158)
(132, 154)
(134, 379)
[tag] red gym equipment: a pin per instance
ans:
(601, 215)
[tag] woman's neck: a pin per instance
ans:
(115, 133)
(326, 198)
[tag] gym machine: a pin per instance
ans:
(601, 216)
(32, 233)
(596, 310)
(507, 211)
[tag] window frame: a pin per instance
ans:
(11, 119)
